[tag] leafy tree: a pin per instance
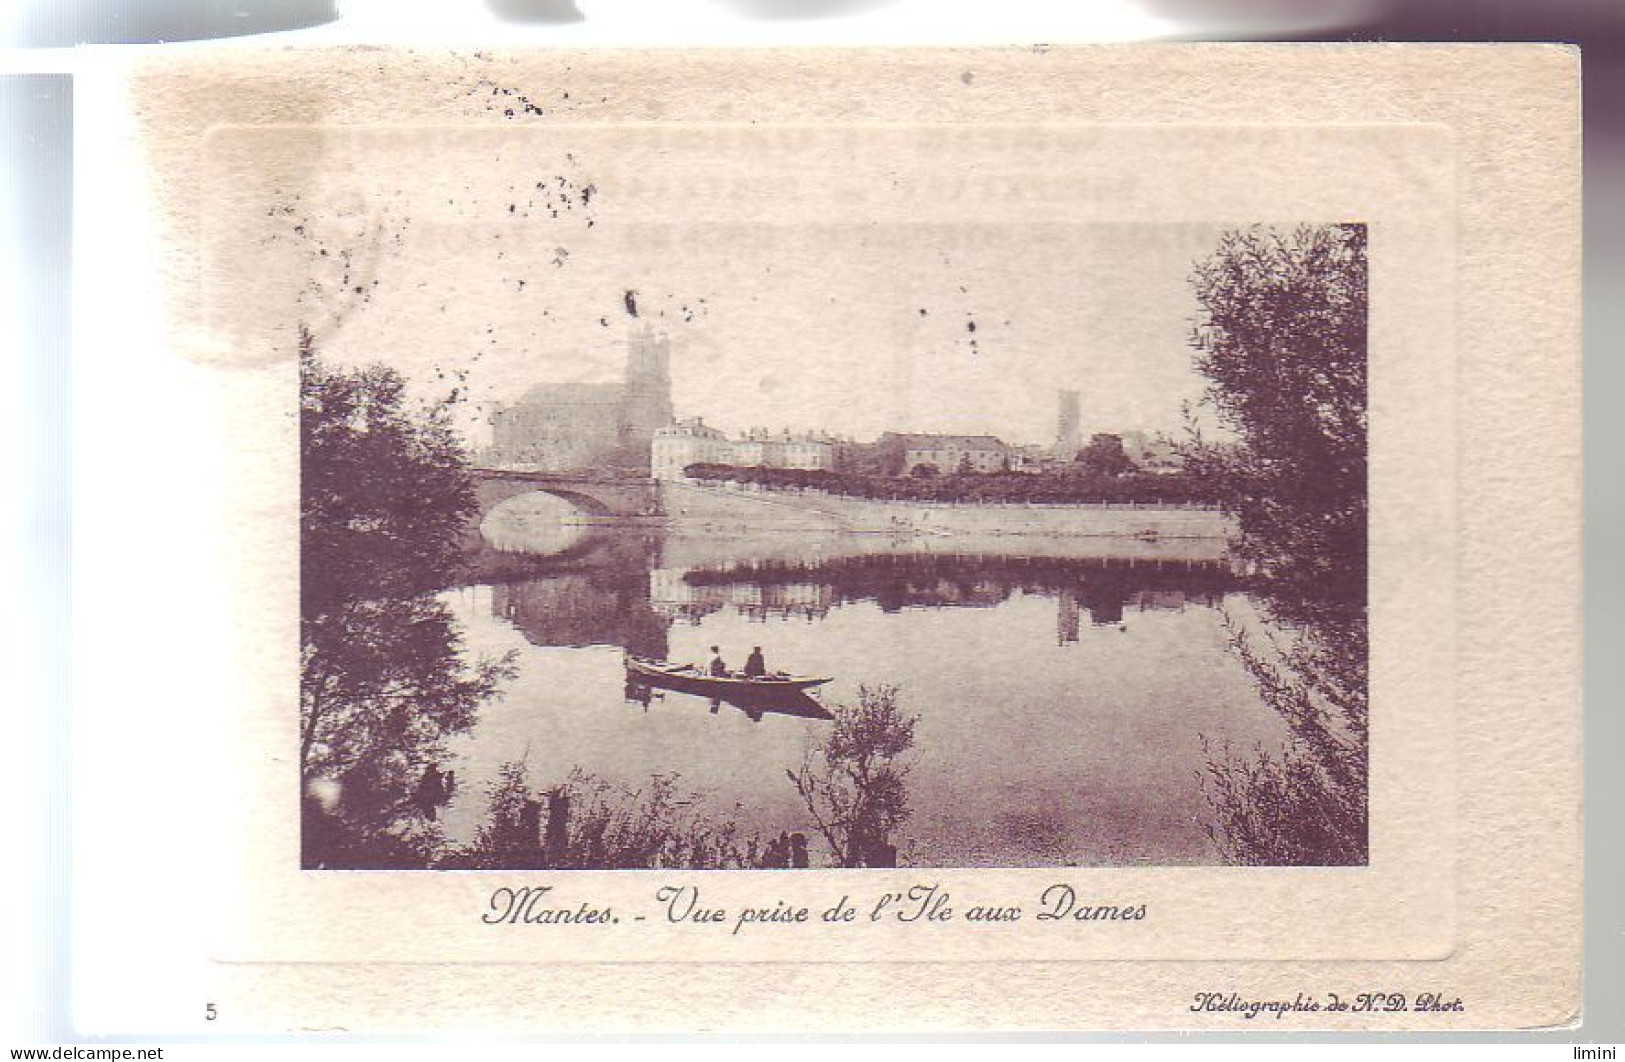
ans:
(384, 494)
(1282, 338)
(853, 784)
(1105, 456)
(382, 680)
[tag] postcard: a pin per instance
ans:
(1072, 539)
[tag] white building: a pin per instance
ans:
(684, 443)
(760, 447)
(689, 442)
(803, 451)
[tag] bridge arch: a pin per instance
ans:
(597, 496)
(587, 503)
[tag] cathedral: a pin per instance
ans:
(581, 427)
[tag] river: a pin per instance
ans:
(1066, 704)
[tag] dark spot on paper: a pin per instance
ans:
(631, 300)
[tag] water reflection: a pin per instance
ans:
(634, 608)
(1058, 699)
(603, 607)
(1052, 707)
(756, 706)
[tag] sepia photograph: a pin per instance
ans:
(635, 541)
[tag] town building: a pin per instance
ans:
(692, 441)
(1151, 453)
(760, 447)
(903, 453)
(579, 426)
(687, 442)
(1028, 458)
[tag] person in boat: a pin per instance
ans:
(755, 666)
(718, 668)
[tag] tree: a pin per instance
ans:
(385, 492)
(384, 496)
(1282, 340)
(853, 784)
(1104, 456)
(590, 824)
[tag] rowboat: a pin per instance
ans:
(693, 679)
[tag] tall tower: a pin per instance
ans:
(1068, 437)
(647, 403)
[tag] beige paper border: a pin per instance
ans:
(1403, 906)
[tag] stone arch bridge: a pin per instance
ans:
(596, 495)
(607, 497)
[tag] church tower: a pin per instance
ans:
(647, 404)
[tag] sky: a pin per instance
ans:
(853, 285)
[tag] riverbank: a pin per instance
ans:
(705, 526)
(735, 509)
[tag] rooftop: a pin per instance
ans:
(923, 441)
